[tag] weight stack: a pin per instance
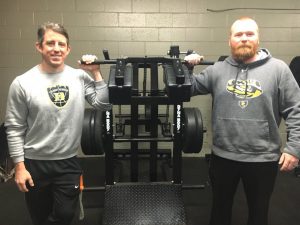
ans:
(144, 204)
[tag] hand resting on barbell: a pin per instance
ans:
(88, 59)
(194, 59)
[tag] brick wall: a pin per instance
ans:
(141, 27)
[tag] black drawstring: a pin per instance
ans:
(241, 67)
(235, 81)
(246, 91)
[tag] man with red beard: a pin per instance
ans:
(251, 92)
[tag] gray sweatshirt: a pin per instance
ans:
(249, 102)
(45, 112)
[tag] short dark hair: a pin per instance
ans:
(56, 27)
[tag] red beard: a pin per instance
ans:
(244, 52)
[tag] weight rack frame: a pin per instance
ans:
(123, 88)
(136, 99)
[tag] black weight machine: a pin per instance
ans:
(152, 202)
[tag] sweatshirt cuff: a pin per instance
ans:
(291, 152)
(17, 159)
(100, 84)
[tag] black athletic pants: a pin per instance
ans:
(54, 198)
(258, 180)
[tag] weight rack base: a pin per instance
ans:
(144, 204)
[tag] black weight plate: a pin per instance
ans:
(200, 128)
(295, 68)
(4, 155)
(99, 121)
(6, 163)
(92, 132)
(86, 137)
(193, 131)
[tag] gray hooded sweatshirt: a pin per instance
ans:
(249, 101)
(44, 114)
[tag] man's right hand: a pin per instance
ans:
(193, 59)
(22, 176)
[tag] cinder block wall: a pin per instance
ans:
(142, 27)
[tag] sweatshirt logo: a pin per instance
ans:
(244, 90)
(59, 95)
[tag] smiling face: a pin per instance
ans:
(54, 49)
(244, 40)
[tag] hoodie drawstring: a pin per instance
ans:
(241, 68)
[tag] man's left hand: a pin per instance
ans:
(88, 66)
(288, 162)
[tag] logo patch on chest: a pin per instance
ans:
(244, 90)
(59, 95)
